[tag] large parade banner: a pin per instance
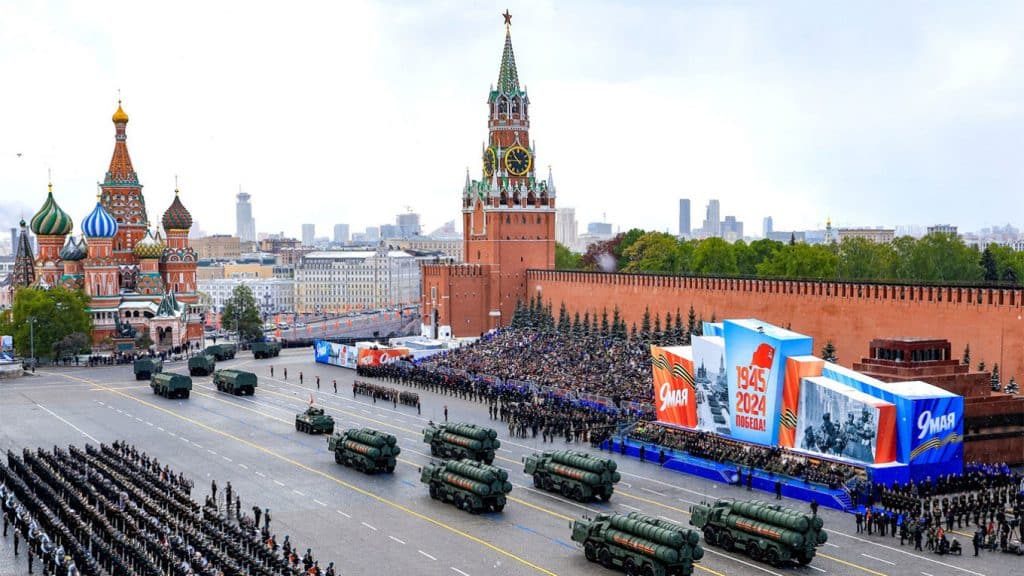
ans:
(378, 356)
(342, 355)
(836, 420)
(675, 396)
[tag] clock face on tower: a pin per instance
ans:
(490, 160)
(518, 161)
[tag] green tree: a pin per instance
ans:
(143, 342)
(645, 323)
(989, 265)
(652, 252)
(566, 259)
(1009, 264)
(691, 324)
(828, 353)
(714, 257)
(563, 319)
(586, 322)
(657, 329)
(997, 384)
(937, 258)
(605, 328)
(862, 259)
(628, 239)
(70, 345)
(55, 314)
(800, 261)
(242, 313)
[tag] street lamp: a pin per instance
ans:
(32, 340)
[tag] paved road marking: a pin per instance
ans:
(243, 466)
(831, 544)
(211, 451)
(278, 482)
(852, 565)
(58, 417)
(160, 429)
(172, 433)
(662, 494)
(261, 474)
(459, 571)
(319, 502)
(427, 555)
(879, 559)
(148, 423)
(919, 557)
(297, 492)
(343, 514)
(632, 507)
(139, 419)
(228, 459)
(396, 539)
(926, 574)
(368, 526)
(812, 567)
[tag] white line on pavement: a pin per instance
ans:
(926, 574)
(319, 502)
(172, 433)
(919, 557)
(831, 544)
(148, 423)
(459, 571)
(243, 466)
(816, 568)
(368, 526)
(396, 539)
(54, 414)
(879, 559)
(662, 494)
(427, 555)
(197, 444)
(632, 507)
(211, 451)
(261, 474)
(278, 482)
(161, 429)
(297, 492)
(343, 514)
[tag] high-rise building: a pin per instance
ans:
(245, 224)
(508, 221)
(340, 280)
(389, 231)
(943, 229)
(566, 227)
(684, 217)
(732, 229)
(713, 220)
(766, 227)
(372, 233)
(340, 233)
(408, 225)
(599, 229)
(308, 234)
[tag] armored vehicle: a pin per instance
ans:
(235, 381)
(146, 367)
(314, 421)
(462, 441)
(171, 385)
(769, 533)
(638, 544)
(221, 351)
(365, 449)
(472, 486)
(265, 349)
(201, 365)
(576, 475)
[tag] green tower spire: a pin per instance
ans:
(508, 77)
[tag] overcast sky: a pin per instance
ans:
(873, 113)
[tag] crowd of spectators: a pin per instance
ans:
(113, 510)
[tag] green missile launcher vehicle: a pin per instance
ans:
(146, 367)
(457, 440)
(268, 349)
(237, 382)
(574, 474)
(470, 485)
(314, 421)
(766, 532)
(638, 544)
(221, 351)
(202, 365)
(365, 449)
(171, 385)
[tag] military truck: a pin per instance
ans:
(221, 351)
(766, 532)
(314, 421)
(201, 365)
(237, 382)
(365, 449)
(146, 366)
(470, 485)
(638, 544)
(462, 441)
(171, 385)
(268, 349)
(575, 474)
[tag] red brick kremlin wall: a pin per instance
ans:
(991, 320)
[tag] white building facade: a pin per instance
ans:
(340, 280)
(272, 295)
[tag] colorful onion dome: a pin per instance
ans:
(177, 217)
(151, 246)
(74, 249)
(120, 115)
(99, 223)
(51, 220)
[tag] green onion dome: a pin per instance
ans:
(51, 220)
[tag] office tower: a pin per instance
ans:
(565, 227)
(308, 234)
(684, 217)
(408, 224)
(245, 225)
(372, 233)
(340, 233)
(712, 220)
(766, 227)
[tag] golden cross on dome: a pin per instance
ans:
(508, 18)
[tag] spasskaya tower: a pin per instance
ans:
(508, 221)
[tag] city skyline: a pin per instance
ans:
(902, 129)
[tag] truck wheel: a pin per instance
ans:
(538, 481)
(630, 567)
(754, 551)
(605, 494)
(499, 507)
(577, 494)
(433, 450)
(803, 559)
(549, 485)
(604, 557)
(709, 536)
(433, 492)
(590, 552)
(565, 490)
(337, 458)
(647, 570)
(390, 468)
(772, 557)
(725, 541)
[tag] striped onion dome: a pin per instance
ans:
(51, 220)
(74, 249)
(177, 217)
(99, 224)
(151, 246)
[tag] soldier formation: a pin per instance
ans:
(113, 510)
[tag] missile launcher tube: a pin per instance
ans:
(647, 531)
(663, 553)
(371, 438)
(458, 481)
(575, 473)
(764, 530)
(583, 461)
(484, 473)
(471, 431)
(460, 440)
(691, 536)
(788, 519)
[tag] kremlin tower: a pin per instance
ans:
(136, 281)
(508, 220)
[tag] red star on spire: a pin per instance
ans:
(508, 18)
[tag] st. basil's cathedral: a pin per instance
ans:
(138, 281)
